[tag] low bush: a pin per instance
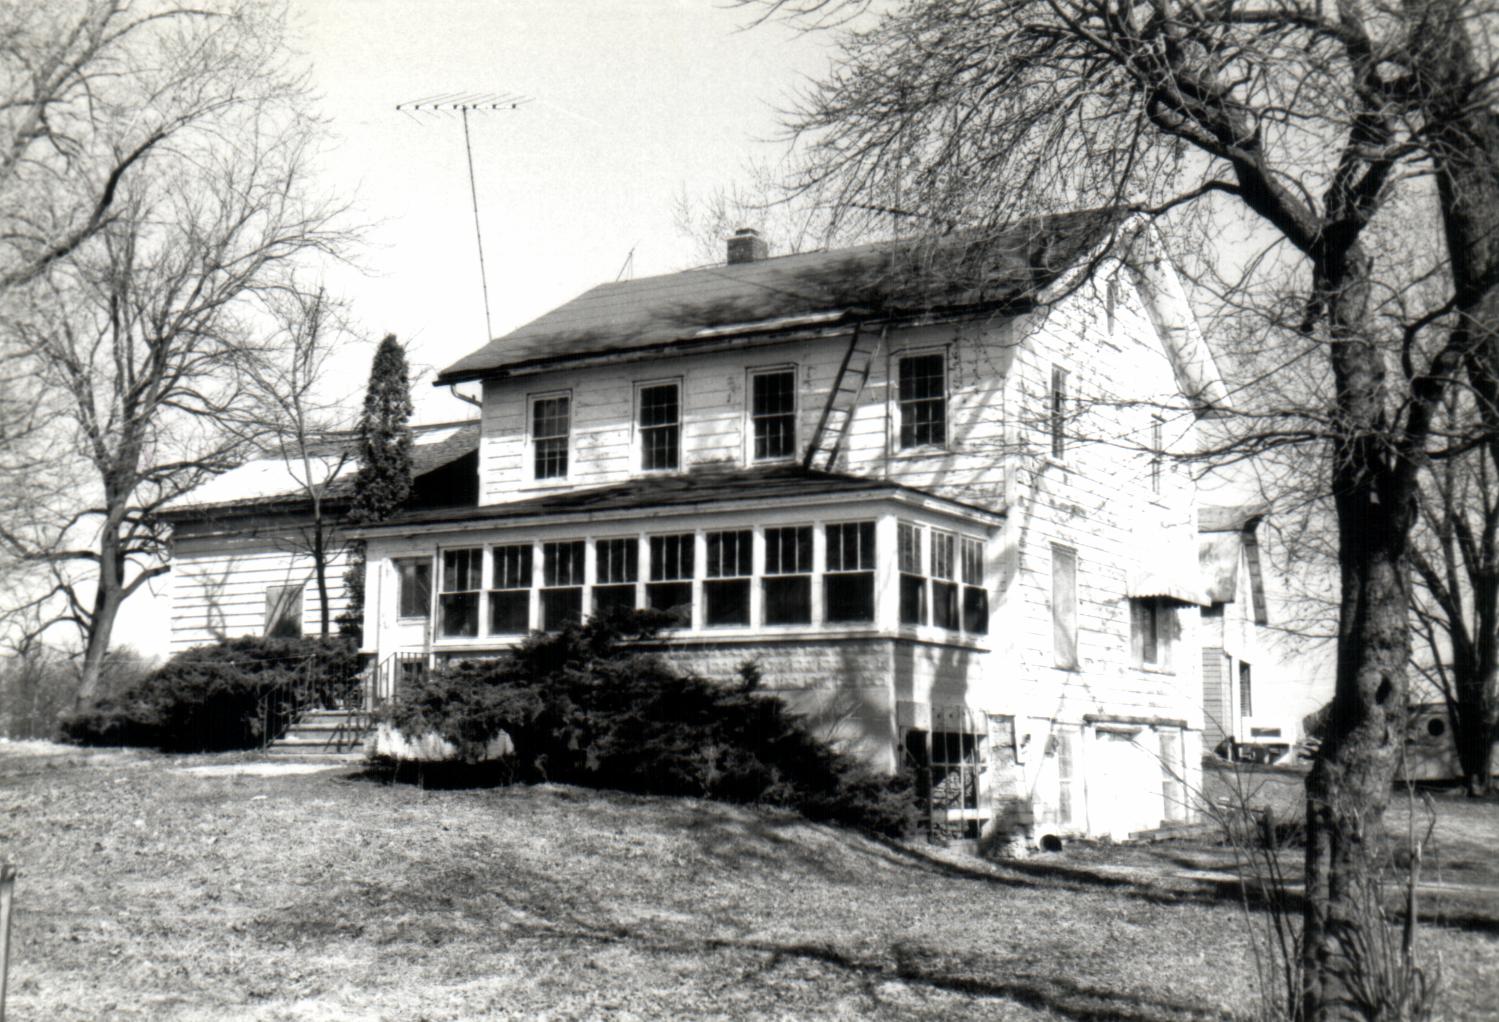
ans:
(582, 707)
(212, 698)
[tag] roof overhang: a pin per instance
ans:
(517, 515)
(737, 336)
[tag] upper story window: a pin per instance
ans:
(1157, 452)
(615, 572)
(414, 583)
(923, 400)
(1064, 607)
(773, 414)
(510, 590)
(848, 580)
(726, 593)
(551, 427)
(1152, 623)
(458, 604)
(670, 587)
(1057, 410)
(787, 585)
(659, 420)
(562, 583)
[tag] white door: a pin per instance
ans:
(1124, 784)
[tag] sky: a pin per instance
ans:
(632, 103)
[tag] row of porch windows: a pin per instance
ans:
(785, 581)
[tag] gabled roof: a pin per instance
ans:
(703, 488)
(961, 271)
(274, 481)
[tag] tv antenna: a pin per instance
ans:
(448, 103)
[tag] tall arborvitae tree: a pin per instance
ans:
(384, 479)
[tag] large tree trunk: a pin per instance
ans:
(108, 595)
(1349, 785)
(1473, 724)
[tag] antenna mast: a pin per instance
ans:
(461, 103)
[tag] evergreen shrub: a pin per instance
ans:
(209, 698)
(583, 707)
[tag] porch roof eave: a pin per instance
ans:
(506, 517)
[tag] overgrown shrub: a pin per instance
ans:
(582, 707)
(213, 697)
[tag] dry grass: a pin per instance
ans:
(150, 893)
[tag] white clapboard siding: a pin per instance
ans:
(219, 584)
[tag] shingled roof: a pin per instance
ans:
(268, 482)
(961, 271)
(699, 489)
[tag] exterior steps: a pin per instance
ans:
(323, 735)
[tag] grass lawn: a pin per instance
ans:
(150, 893)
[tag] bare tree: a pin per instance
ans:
(89, 91)
(139, 339)
(1456, 559)
(308, 429)
(1307, 119)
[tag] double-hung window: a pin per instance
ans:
(773, 414)
(562, 583)
(944, 584)
(458, 604)
(659, 422)
(510, 590)
(726, 591)
(787, 585)
(414, 583)
(1064, 607)
(1152, 621)
(923, 401)
(670, 586)
(913, 607)
(551, 426)
(975, 595)
(848, 577)
(616, 570)
(1057, 412)
(283, 612)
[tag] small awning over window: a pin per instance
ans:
(1166, 566)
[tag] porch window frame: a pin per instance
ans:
(841, 573)
(550, 583)
(657, 579)
(801, 572)
(718, 582)
(285, 611)
(497, 591)
(475, 591)
(604, 570)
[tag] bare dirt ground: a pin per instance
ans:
(152, 890)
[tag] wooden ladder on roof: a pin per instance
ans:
(843, 399)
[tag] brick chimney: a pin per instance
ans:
(746, 246)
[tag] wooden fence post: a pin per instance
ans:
(7, 889)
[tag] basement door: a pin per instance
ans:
(1124, 783)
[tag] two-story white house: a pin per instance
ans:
(927, 486)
